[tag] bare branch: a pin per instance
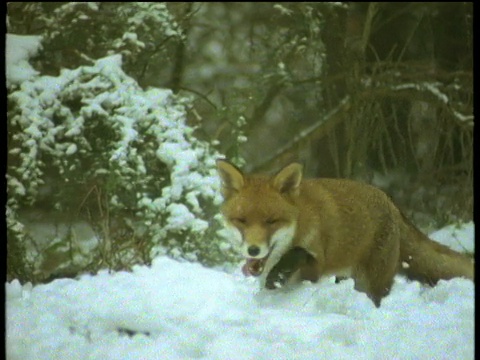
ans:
(317, 130)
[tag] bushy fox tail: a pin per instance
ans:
(427, 261)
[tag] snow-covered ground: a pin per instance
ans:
(175, 310)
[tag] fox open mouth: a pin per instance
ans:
(254, 267)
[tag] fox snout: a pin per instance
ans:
(255, 246)
(256, 242)
(255, 251)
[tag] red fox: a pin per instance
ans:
(291, 228)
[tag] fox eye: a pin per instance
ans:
(240, 220)
(272, 221)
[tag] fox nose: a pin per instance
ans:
(253, 250)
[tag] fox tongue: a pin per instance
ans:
(254, 267)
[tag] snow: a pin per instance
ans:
(72, 149)
(455, 236)
(18, 49)
(181, 310)
(181, 218)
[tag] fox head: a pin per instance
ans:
(260, 210)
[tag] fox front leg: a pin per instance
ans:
(295, 259)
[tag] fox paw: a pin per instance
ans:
(276, 280)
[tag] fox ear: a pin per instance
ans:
(232, 177)
(288, 179)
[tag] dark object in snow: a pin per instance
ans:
(130, 333)
(295, 259)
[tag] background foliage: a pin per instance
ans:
(379, 92)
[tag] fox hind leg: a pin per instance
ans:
(376, 272)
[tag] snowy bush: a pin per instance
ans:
(91, 143)
(77, 33)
